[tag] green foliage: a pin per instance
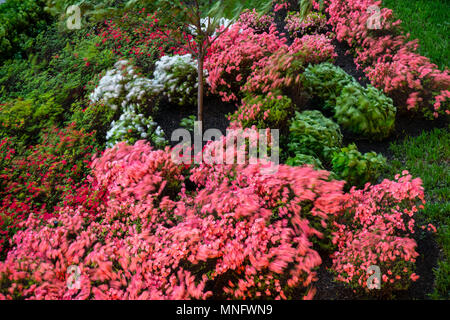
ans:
(313, 134)
(188, 123)
(24, 119)
(365, 111)
(326, 81)
(20, 21)
(356, 168)
(66, 75)
(302, 159)
(184, 13)
(306, 6)
(94, 118)
(428, 21)
(91, 11)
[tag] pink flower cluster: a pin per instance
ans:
(315, 22)
(252, 19)
(231, 58)
(375, 229)
(389, 59)
(278, 72)
(237, 234)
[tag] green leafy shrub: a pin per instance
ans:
(94, 118)
(326, 81)
(356, 168)
(67, 75)
(311, 133)
(365, 111)
(264, 111)
(188, 123)
(302, 159)
(20, 21)
(24, 119)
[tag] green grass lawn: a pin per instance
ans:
(428, 21)
(428, 157)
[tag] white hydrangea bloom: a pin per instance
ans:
(121, 86)
(132, 126)
(177, 75)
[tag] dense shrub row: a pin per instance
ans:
(390, 60)
(238, 233)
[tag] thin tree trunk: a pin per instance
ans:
(200, 86)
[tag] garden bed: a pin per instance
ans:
(89, 182)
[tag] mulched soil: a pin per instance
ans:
(215, 111)
(214, 115)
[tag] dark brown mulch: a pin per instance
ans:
(214, 115)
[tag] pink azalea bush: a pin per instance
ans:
(389, 59)
(36, 180)
(258, 22)
(376, 228)
(282, 70)
(237, 234)
(231, 57)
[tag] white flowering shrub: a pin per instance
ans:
(122, 86)
(133, 126)
(177, 75)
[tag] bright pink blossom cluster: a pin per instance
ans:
(375, 229)
(238, 233)
(283, 68)
(34, 181)
(258, 22)
(232, 56)
(389, 59)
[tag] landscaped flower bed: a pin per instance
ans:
(90, 179)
